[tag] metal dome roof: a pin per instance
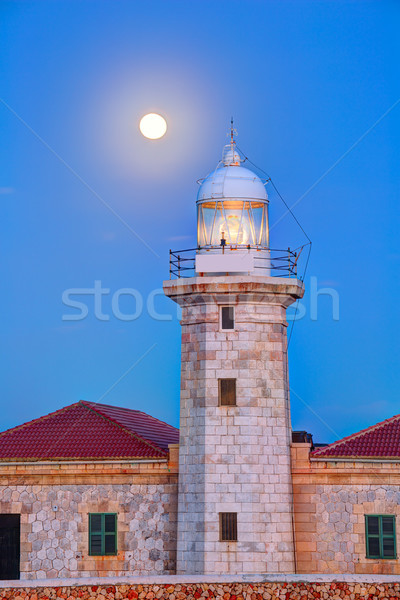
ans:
(232, 182)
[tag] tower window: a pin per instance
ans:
(227, 317)
(228, 527)
(227, 392)
(380, 534)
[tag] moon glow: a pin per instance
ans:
(153, 126)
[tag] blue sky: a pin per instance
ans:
(312, 87)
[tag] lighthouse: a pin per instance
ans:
(235, 512)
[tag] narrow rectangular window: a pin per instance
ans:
(380, 535)
(228, 527)
(227, 392)
(102, 534)
(227, 317)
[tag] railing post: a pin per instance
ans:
(289, 268)
(170, 265)
(179, 266)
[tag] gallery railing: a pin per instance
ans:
(277, 263)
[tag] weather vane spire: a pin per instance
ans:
(230, 156)
(233, 133)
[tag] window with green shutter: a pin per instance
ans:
(380, 535)
(102, 534)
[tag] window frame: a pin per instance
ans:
(103, 534)
(380, 536)
(220, 379)
(220, 317)
(221, 526)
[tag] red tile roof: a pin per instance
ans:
(140, 423)
(378, 441)
(86, 430)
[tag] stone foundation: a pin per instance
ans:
(242, 590)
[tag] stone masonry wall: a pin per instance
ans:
(55, 525)
(217, 591)
(340, 528)
(331, 499)
(338, 544)
(234, 458)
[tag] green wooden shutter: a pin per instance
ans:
(110, 533)
(388, 536)
(102, 534)
(380, 534)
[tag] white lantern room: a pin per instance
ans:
(232, 218)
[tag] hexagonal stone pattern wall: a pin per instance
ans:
(340, 524)
(55, 528)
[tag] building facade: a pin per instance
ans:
(346, 503)
(96, 490)
(346, 500)
(83, 493)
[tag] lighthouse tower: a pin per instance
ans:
(235, 490)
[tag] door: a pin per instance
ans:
(9, 546)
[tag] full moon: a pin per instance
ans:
(153, 126)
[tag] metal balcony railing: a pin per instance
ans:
(277, 263)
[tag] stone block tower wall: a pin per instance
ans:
(235, 459)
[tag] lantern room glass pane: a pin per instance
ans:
(220, 226)
(249, 220)
(264, 238)
(206, 223)
(258, 214)
(233, 223)
(201, 239)
(239, 222)
(237, 225)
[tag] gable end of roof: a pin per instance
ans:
(379, 441)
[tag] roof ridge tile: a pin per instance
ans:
(134, 410)
(152, 445)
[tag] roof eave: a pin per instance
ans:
(394, 459)
(74, 460)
